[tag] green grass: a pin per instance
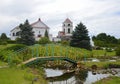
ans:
(103, 54)
(4, 46)
(18, 76)
(109, 80)
(3, 63)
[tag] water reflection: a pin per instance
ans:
(81, 76)
(84, 77)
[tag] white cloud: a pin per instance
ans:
(97, 15)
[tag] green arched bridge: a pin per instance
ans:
(50, 52)
(48, 58)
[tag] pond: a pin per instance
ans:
(55, 76)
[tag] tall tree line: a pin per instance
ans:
(104, 40)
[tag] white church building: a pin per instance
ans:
(67, 29)
(39, 29)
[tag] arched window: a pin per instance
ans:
(68, 30)
(18, 33)
(68, 24)
(13, 34)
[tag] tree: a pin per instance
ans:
(104, 40)
(26, 34)
(80, 37)
(3, 37)
(46, 34)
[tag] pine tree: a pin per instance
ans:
(26, 34)
(80, 37)
(3, 37)
(46, 34)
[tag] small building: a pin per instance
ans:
(56, 39)
(67, 29)
(39, 29)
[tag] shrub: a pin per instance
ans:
(4, 55)
(16, 47)
(4, 43)
(9, 54)
(28, 75)
(118, 51)
(109, 49)
(44, 40)
(65, 42)
(11, 41)
(94, 67)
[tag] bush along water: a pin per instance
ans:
(118, 51)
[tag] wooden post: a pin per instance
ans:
(46, 50)
(52, 50)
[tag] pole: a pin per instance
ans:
(32, 52)
(52, 50)
(46, 50)
(66, 51)
(37, 51)
(84, 58)
(9, 60)
(61, 50)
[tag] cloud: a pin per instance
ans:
(98, 15)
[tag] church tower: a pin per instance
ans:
(67, 27)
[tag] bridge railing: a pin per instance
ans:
(59, 50)
(47, 50)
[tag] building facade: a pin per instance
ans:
(67, 29)
(39, 29)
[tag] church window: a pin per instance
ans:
(39, 35)
(68, 24)
(13, 34)
(63, 24)
(68, 30)
(18, 33)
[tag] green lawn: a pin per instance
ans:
(103, 52)
(4, 46)
(3, 63)
(109, 80)
(18, 76)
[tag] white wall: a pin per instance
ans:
(14, 31)
(66, 27)
(56, 39)
(37, 31)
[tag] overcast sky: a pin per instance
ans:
(98, 15)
